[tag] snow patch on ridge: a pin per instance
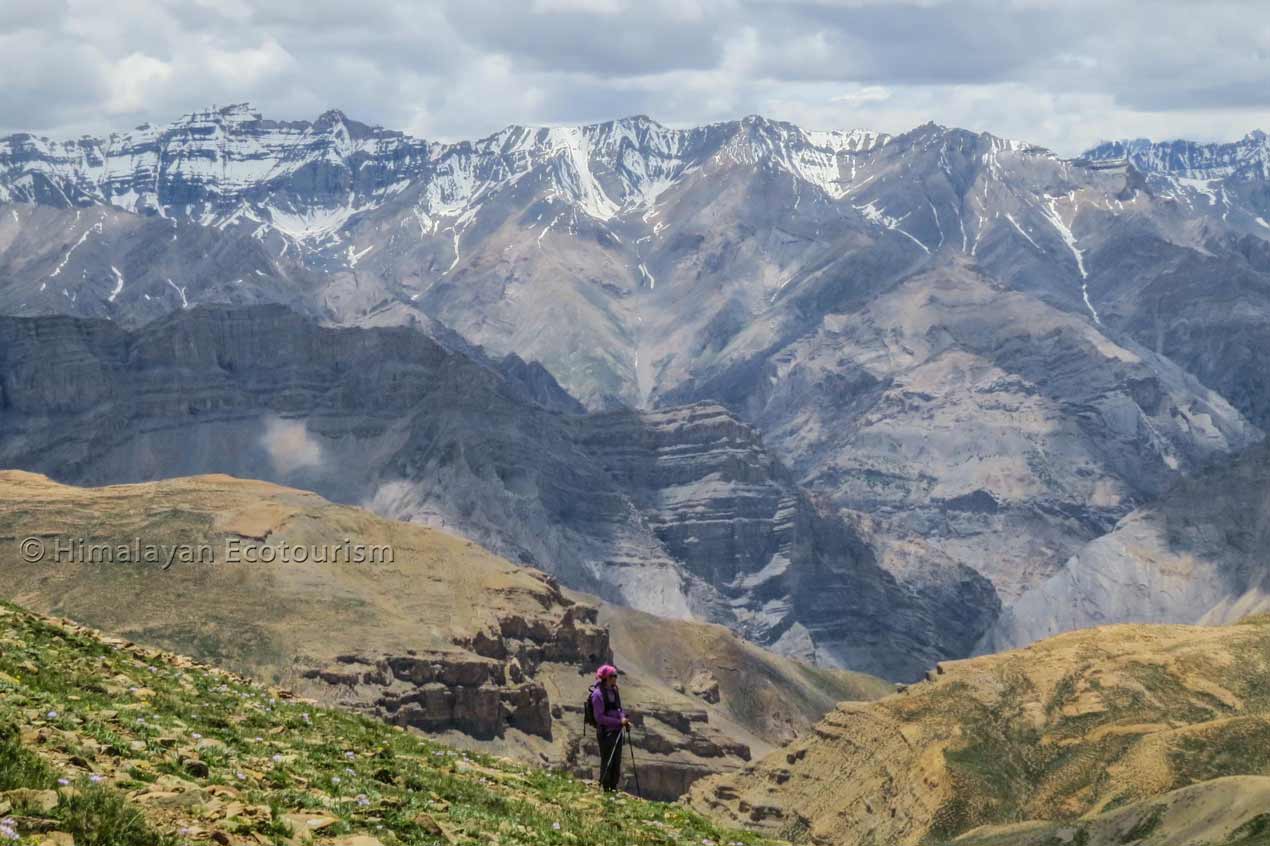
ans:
(354, 255)
(180, 290)
(1015, 224)
(118, 284)
(880, 217)
(96, 227)
(1068, 238)
(314, 224)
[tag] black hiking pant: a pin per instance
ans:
(610, 758)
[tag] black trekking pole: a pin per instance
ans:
(604, 773)
(634, 769)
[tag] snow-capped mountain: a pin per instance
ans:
(1219, 179)
(305, 180)
(218, 166)
(313, 191)
(984, 352)
(1248, 158)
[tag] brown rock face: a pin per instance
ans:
(439, 692)
(481, 694)
(486, 683)
(704, 685)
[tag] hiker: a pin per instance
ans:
(610, 723)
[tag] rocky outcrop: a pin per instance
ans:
(439, 692)
(481, 692)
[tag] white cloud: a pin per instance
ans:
(289, 445)
(248, 66)
(133, 80)
(594, 7)
(864, 94)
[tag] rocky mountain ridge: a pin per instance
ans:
(306, 179)
(871, 305)
(1246, 159)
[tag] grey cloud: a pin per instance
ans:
(1057, 73)
(634, 42)
(49, 84)
(17, 15)
(906, 43)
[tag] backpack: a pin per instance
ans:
(588, 713)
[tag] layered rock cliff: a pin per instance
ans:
(786, 568)
(680, 513)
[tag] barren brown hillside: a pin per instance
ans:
(1078, 725)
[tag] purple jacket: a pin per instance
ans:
(611, 720)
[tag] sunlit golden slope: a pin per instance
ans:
(1079, 724)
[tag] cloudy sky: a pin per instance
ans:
(1064, 73)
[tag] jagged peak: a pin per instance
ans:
(996, 143)
(331, 117)
(244, 109)
(336, 122)
(641, 121)
(233, 113)
(1255, 137)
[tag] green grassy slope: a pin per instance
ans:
(115, 744)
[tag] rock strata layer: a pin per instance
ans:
(681, 512)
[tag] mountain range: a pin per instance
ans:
(849, 393)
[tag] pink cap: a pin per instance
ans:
(605, 671)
